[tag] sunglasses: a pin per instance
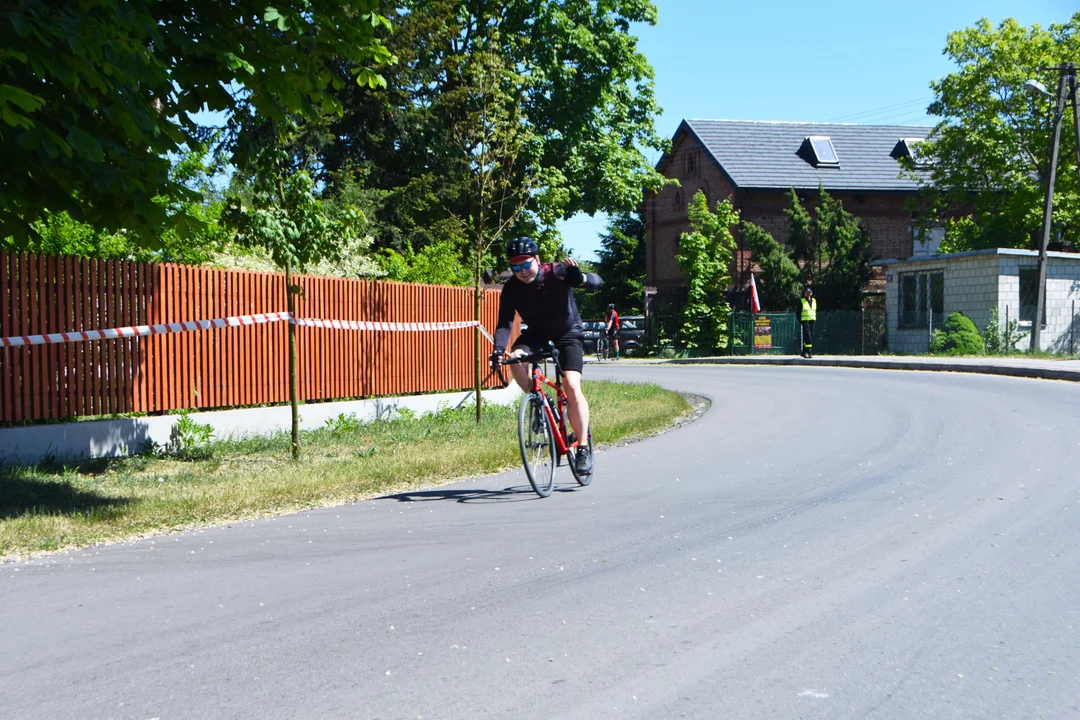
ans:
(523, 266)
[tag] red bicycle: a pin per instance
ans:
(542, 425)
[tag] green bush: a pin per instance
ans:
(1001, 338)
(190, 440)
(959, 336)
(344, 424)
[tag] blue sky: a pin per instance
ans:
(855, 61)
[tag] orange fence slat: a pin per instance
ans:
(7, 371)
(82, 350)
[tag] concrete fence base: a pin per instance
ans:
(128, 436)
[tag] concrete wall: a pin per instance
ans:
(127, 436)
(1062, 296)
(977, 281)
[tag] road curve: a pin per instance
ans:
(822, 543)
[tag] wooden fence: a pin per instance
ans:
(226, 367)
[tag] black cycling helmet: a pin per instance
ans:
(521, 246)
(611, 306)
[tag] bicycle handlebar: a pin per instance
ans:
(548, 353)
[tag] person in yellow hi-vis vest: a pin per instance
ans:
(807, 319)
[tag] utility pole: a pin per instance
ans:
(1067, 79)
(1074, 89)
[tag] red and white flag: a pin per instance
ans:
(755, 301)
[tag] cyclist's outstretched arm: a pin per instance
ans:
(569, 271)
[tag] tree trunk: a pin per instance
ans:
(476, 339)
(294, 390)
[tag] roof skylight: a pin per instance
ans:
(818, 150)
(912, 148)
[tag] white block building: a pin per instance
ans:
(920, 292)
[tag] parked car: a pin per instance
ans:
(631, 334)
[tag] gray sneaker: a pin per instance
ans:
(583, 461)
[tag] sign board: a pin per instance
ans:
(762, 332)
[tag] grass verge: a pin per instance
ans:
(49, 508)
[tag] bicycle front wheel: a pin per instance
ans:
(537, 444)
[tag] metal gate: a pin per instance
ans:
(837, 332)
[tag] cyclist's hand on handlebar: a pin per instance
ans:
(496, 359)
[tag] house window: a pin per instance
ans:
(818, 150)
(1029, 296)
(922, 299)
(692, 163)
(928, 241)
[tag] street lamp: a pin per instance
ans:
(1034, 87)
(1067, 72)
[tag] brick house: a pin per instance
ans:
(758, 163)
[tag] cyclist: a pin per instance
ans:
(542, 294)
(611, 326)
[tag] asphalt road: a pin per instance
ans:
(822, 543)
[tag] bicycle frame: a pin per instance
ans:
(537, 380)
(559, 425)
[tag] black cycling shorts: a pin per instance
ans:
(570, 347)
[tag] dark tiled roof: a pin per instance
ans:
(765, 154)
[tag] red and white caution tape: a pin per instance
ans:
(394, 326)
(386, 326)
(141, 330)
(235, 321)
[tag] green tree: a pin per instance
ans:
(435, 264)
(705, 255)
(95, 96)
(286, 219)
(988, 159)
(845, 246)
(57, 233)
(584, 96)
(497, 156)
(828, 249)
(780, 279)
(622, 264)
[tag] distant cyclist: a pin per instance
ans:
(542, 294)
(611, 327)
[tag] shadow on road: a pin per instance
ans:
(517, 493)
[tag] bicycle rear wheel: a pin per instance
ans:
(582, 479)
(538, 452)
(601, 348)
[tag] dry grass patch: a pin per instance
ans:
(48, 508)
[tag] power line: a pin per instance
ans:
(901, 116)
(885, 109)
